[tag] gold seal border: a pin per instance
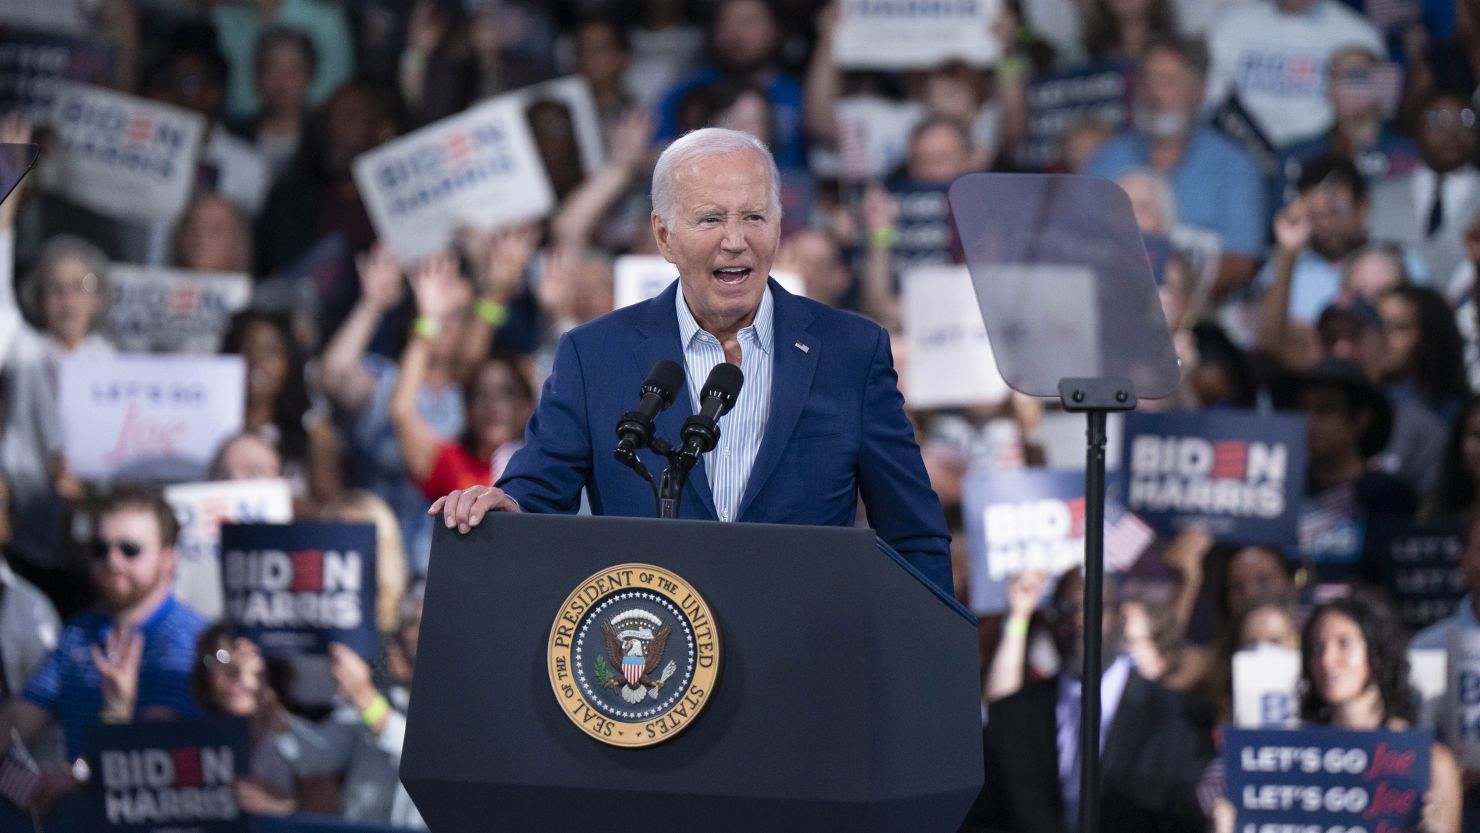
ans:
(561, 645)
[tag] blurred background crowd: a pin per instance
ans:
(1303, 172)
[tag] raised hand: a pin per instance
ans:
(435, 283)
(352, 674)
(1024, 592)
(632, 139)
(1186, 552)
(14, 130)
(381, 286)
(506, 258)
(880, 211)
(118, 665)
(1292, 227)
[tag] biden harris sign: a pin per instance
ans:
(1236, 474)
(294, 588)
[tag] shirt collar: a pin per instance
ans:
(763, 326)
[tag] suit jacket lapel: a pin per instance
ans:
(792, 368)
(660, 340)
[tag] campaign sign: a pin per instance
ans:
(46, 15)
(951, 361)
(1418, 566)
(1265, 681)
(1030, 519)
(915, 34)
(33, 63)
(168, 777)
(201, 509)
(295, 588)
(157, 309)
(1236, 474)
(477, 168)
(125, 157)
(1327, 779)
(148, 418)
(1057, 102)
(640, 277)
(1462, 706)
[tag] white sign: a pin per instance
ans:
(42, 15)
(951, 361)
(201, 509)
(157, 309)
(479, 168)
(1265, 681)
(640, 277)
(1462, 706)
(916, 34)
(148, 418)
(122, 156)
(1428, 673)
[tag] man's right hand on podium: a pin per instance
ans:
(464, 508)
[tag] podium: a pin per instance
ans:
(847, 696)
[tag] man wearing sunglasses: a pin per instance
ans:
(129, 658)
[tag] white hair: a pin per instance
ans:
(1161, 188)
(701, 144)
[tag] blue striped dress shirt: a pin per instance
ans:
(728, 465)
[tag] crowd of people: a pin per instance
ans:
(1303, 172)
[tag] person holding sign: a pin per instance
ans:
(129, 659)
(1354, 675)
(835, 429)
(66, 292)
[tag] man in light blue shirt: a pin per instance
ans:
(1216, 184)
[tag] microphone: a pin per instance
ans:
(701, 431)
(635, 429)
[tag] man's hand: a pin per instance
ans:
(465, 508)
(119, 668)
(381, 286)
(1292, 228)
(1024, 592)
(53, 785)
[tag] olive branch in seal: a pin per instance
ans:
(605, 676)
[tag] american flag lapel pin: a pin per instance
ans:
(802, 347)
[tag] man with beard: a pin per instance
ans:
(1217, 186)
(128, 659)
(743, 42)
(1151, 749)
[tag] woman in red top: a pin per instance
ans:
(498, 402)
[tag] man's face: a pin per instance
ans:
(939, 156)
(1169, 96)
(722, 237)
(283, 78)
(745, 35)
(1338, 221)
(1446, 133)
(129, 562)
(1068, 623)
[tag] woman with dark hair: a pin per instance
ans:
(1425, 352)
(1456, 495)
(278, 405)
(229, 678)
(1354, 675)
(1120, 29)
(283, 64)
(499, 399)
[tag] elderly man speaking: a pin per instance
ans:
(818, 421)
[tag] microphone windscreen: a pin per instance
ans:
(724, 382)
(666, 380)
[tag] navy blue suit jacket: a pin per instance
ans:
(837, 429)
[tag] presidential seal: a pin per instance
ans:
(633, 655)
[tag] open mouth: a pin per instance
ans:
(732, 275)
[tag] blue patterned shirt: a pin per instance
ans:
(728, 465)
(67, 684)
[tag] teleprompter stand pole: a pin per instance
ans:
(1095, 398)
